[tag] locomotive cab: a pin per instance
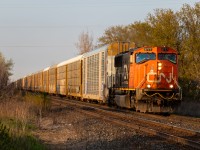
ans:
(147, 79)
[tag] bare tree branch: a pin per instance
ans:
(85, 43)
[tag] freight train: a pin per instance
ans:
(143, 78)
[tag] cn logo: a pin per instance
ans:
(158, 79)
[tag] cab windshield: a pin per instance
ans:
(169, 57)
(143, 57)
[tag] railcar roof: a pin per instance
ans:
(70, 60)
(46, 69)
(38, 72)
(100, 49)
(53, 66)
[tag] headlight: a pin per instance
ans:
(148, 86)
(171, 86)
(159, 64)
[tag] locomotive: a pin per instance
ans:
(145, 78)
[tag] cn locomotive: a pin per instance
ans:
(145, 78)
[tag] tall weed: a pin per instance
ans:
(18, 116)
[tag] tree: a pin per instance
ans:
(160, 28)
(5, 71)
(115, 34)
(189, 18)
(165, 28)
(140, 33)
(85, 43)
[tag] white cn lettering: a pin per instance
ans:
(158, 80)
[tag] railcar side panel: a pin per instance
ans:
(52, 80)
(61, 80)
(94, 76)
(46, 80)
(40, 81)
(29, 82)
(74, 80)
(33, 82)
(36, 82)
(23, 83)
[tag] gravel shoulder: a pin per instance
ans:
(66, 128)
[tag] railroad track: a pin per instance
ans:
(175, 121)
(170, 132)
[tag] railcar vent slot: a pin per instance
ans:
(93, 74)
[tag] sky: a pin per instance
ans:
(37, 34)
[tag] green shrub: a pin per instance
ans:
(9, 141)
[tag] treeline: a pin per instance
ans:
(179, 30)
(18, 113)
(5, 73)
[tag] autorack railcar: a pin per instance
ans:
(98, 71)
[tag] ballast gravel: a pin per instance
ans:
(65, 128)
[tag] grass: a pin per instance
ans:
(10, 141)
(19, 116)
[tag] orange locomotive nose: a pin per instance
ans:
(154, 68)
(161, 77)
